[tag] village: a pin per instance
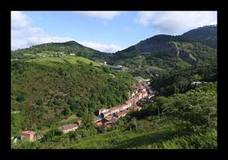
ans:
(103, 117)
(107, 117)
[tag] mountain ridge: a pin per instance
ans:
(162, 51)
(170, 52)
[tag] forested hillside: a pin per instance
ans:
(164, 53)
(182, 121)
(206, 35)
(44, 90)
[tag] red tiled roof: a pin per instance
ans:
(27, 132)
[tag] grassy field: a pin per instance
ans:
(122, 140)
(53, 61)
(147, 136)
(147, 133)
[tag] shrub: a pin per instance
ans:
(39, 101)
(133, 124)
(49, 136)
(20, 98)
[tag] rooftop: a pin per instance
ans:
(121, 113)
(27, 132)
(68, 126)
(109, 117)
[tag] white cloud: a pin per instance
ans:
(19, 20)
(107, 15)
(24, 34)
(176, 22)
(110, 48)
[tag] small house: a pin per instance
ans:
(29, 135)
(103, 110)
(105, 114)
(196, 83)
(68, 128)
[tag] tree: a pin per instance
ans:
(133, 124)
(74, 105)
(50, 135)
(39, 101)
(101, 129)
(66, 112)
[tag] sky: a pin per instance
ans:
(107, 31)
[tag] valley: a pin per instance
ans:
(160, 93)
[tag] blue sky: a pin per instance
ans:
(107, 31)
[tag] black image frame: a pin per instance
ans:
(50, 5)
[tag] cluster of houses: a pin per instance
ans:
(32, 136)
(107, 117)
(70, 127)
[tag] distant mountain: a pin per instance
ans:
(70, 47)
(163, 53)
(206, 35)
(159, 44)
(152, 56)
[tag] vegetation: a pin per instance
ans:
(180, 81)
(58, 83)
(206, 35)
(164, 53)
(60, 49)
(185, 121)
(47, 89)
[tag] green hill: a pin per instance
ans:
(167, 53)
(45, 89)
(70, 47)
(206, 35)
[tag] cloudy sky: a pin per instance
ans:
(107, 31)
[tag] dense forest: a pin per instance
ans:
(57, 80)
(46, 90)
